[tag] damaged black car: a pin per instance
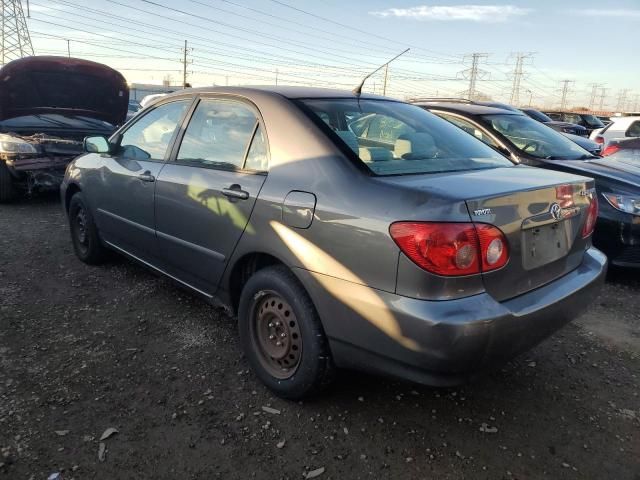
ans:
(47, 106)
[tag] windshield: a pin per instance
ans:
(592, 121)
(393, 138)
(539, 116)
(534, 138)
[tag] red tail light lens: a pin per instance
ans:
(599, 140)
(610, 150)
(592, 216)
(451, 249)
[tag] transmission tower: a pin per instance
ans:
(518, 73)
(15, 41)
(565, 93)
(594, 95)
(622, 99)
(473, 74)
(603, 94)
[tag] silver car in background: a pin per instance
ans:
(345, 230)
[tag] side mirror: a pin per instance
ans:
(96, 145)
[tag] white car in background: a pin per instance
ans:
(620, 127)
(149, 99)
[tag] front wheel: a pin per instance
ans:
(282, 336)
(84, 232)
(7, 188)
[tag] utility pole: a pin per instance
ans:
(603, 94)
(565, 93)
(185, 62)
(518, 73)
(386, 76)
(474, 73)
(15, 41)
(68, 47)
(594, 95)
(636, 102)
(622, 99)
(276, 76)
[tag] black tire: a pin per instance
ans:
(314, 369)
(7, 189)
(84, 232)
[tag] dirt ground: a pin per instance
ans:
(84, 349)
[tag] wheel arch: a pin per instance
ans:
(71, 190)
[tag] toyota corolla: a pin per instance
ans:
(345, 230)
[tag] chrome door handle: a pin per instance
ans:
(147, 177)
(234, 191)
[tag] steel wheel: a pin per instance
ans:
(276, 336)
(80, 229)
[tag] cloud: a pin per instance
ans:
(474, 13)
(616, 12)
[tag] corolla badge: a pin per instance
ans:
(556, 211)
(482, 211)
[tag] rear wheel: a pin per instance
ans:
(84, 232)
(7, 189)
(282, 336)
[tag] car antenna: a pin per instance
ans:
(358, 89)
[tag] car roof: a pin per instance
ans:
(285, 91)
(469, 108)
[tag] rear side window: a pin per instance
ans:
(394, 138)
(468, 127)
(218, 134)
(149, 137)
(633, 130)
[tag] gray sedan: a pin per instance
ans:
(345, 231)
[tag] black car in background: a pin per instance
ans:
(562, 127)
(47, 106)
(527, 141)
(586, 120)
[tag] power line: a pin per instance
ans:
(594, 94)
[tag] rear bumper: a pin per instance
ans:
(446, 342)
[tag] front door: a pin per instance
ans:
(205, 195)
(125, 198)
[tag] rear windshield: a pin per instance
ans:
(592, 121)
(539, 116)
(393, 138)
(534, 138)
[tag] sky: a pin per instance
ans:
(335, 43)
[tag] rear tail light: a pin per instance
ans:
(452, 249)
(610, 150)
(592, 216)
(599, 140)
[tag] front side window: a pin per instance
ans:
(150, 136)
(572, 118)
(469, 127)
(394, 138)
(534, 138)
(218, 134)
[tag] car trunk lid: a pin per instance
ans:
(543, 228)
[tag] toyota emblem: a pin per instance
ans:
(556, 211)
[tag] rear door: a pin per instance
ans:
(543, 227)
(206, 193)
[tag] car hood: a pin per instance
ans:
(625, 171)
(60, 85)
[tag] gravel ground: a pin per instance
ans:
(84, 349)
